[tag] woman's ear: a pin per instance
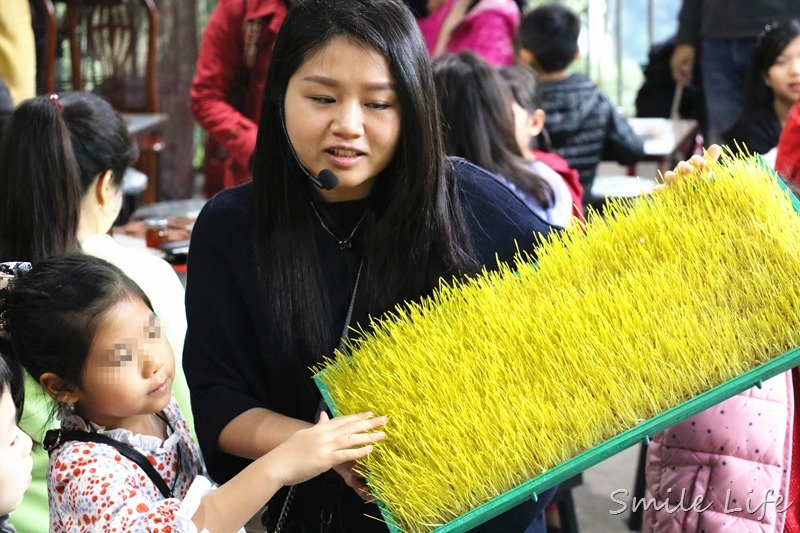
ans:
(104, 188)
(58, 389)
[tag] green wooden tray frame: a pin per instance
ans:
(640, 433)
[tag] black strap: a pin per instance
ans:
(55, 437)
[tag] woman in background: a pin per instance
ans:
(774, 88)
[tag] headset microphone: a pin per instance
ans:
(326, 179)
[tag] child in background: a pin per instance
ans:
(774, 88)
(477, 107)
(532, 137)
(88, 335)
(15, 444)
(583, 125)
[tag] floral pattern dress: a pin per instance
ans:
(94, 488)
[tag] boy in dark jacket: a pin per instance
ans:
(583, 125)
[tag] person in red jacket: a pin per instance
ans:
(787, 162)
(229, 82)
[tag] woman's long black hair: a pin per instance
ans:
(414, 230)
(52, 150)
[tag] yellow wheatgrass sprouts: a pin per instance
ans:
(493, 381)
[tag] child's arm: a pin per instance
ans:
(306, 454)
(621, 143)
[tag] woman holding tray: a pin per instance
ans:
(353, 209)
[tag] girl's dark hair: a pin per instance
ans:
(11, 379)
(476, 104)
(53, 312)
(413, 204)
(51, 153)
(775, 37)
(523, 82)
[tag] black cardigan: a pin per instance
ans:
(229, 355)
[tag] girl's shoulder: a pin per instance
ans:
(481, 190)
(497, 219)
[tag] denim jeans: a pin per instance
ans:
(725, 69)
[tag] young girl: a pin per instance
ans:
(477, 107)
(62, 162)
(280, 269)
(774, 87)
(87, 333)
(529, 123)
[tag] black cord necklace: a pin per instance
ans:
(344, 244)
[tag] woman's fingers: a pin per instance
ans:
(713, 152)
(694, 163)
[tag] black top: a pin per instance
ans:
(758, 129)
(231, 358)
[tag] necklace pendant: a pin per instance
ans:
(345, 245)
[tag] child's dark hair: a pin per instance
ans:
(523, 82)
(52, 151)
(551, 33)
(11, 377)
(53, 312)
(775, 37)
(476, 107)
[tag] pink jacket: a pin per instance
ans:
(487, 29)
(731, 462)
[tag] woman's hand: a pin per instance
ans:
(682, 62)
(336, 443)
(354, 480)
(696, 162)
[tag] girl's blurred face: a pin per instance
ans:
(342, 113)
(15, 457)
(522, 129)
(129, 371)
(783, 77)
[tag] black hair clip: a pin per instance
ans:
(9, 273)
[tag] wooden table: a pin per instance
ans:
(664, 139)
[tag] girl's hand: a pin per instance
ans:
(696, 162)
(341, 441)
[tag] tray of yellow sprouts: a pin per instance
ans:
(504, 385)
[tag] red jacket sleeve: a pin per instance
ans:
(219, 64)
